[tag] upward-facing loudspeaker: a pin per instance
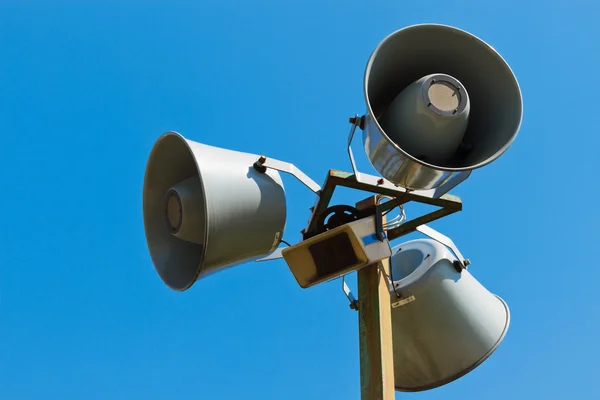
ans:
(207, 208)
(440, 101)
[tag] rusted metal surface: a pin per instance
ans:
(375, 329)
(449, 203)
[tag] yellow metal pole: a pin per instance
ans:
(375, 328)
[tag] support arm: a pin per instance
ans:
(263, 163)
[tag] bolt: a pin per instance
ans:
(380, 181)
(353, 120)
(262, 159)
(457, 266)
(467, 263)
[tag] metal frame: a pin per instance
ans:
(449, 203)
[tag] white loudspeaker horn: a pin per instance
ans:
(444, 322)
(207, 208)
(440, 102)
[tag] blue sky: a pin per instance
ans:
(87, 87)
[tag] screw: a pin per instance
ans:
(262, 159)
(380, 181)
(358, 121)
(457, 266)
(467, 262)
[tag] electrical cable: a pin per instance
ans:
(391, 267)
(392, 223)
(397, 220)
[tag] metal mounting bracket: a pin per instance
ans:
(273, 256)
(356, 121)
(446, 241)
(261, 166)
(379, 231)
(349, 295)
(263, 163)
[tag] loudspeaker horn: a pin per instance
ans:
(207, 208)
(444, 322)
(440, 102)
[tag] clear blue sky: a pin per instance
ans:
(86, 89)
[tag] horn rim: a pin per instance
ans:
(476, 364)
(155, 148)
(371, 115)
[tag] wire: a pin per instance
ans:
(284, 242)
(387, 212)
(381, 197)
(391, 267)
(398, 219)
